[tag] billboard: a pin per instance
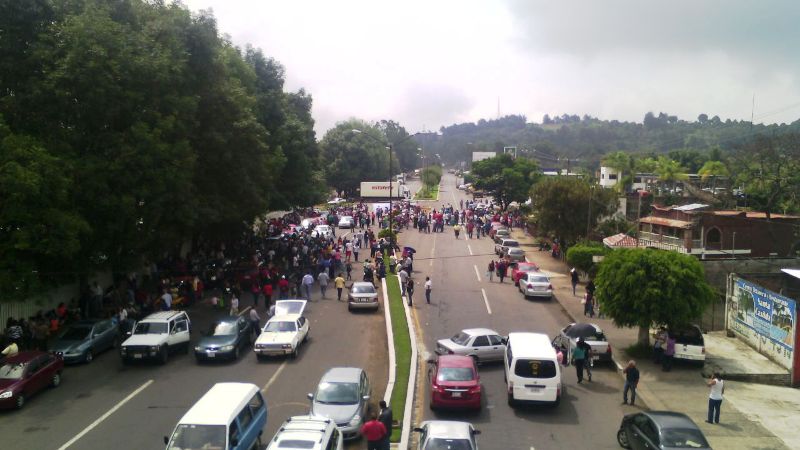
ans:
(480, 156)
(380, 189)
(764, 318)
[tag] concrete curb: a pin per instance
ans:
(412, 378)
(387, 396)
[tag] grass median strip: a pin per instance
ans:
(402, 349)
(426, 193)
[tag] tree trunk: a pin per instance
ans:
(644, 336)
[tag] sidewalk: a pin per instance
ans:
(767, 425)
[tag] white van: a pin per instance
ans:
(230, 416)
(532, 372)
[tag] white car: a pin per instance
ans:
(323, 231)
(336, 201)
(446, 434)
(284, 332)
(534, 284)
(307, 433)
(156, 336)
(482, 344)
(347, 222)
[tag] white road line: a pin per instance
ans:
(486, 300)
(470, 250)
(273, 378)
(106, 415)
(477, 274)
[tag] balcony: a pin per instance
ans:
(663, 242)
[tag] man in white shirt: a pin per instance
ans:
(715, 397)
(166, 300)
(428, 287)
(255, 321)
(234, 306)
(323, 282)
(403, 275)
(308, 281)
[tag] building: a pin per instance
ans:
(609, 177)
(698, 230)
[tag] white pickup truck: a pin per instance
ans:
(156, 336)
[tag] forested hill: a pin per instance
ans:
(588, 139)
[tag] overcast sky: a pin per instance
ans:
(431, 63)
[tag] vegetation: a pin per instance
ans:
(427, 193)
(641, 287)
(505, 178)
(431, 176)
(402, 350)
(768, 168)
(581, 256)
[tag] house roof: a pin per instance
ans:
(691, 207)
(620, 240)
(666, 222)
(752, 214)
(792, 272)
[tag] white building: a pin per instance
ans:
(609, 177)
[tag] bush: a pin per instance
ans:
(581, 256)
(431, 176)
(387, 234)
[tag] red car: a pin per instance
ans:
(455, 383)
(25, 374)
(520, 268)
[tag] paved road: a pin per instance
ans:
(51, 419)
(590, 413)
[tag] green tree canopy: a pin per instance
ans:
(769, 170)
(581, 256)
(431, 176)
(641, 287)
(505, 178)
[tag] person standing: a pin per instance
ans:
(588, 305)
(166, 301)
(403, 276)
(307, 282)
(428, 287)
(658, 345)
(717, 389)
(490, 271)
(255, 322)
(374, 431)
(323, 282)
(283, 288)
(267, 291)
(631, 382)
(501, 270)
(385, 417)
(588, 361)
(574, 277)
(234, 311)
(579, 359)
(669, 353)
(410, 290)
(339, 283)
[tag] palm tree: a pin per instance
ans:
(670, 171)
(624, 164)
(713, 169)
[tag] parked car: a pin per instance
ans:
(336, 201)
(504, 245)
(225, 339)
(284, 332)
(343, 395)
(660, 430)
(362, 295)
(307, 433)
(455, 382)
(347, 222)
(498, 234)
(534, 284)
(84, 339)
(446, 434)
(27, 373)
(520, 268)
(482, 344)
(515, 254)
(591, 333)
(689, 344)
(156, 336)
(323, 231)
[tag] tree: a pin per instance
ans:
(566, 206)
(581, 256)
(404, 146)
(669, 171)
(624, 163)
(769, 170)
(713, 169)
(641, 287)
(431, 176)
(702, 118)
(505, 178)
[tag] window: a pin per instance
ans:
(481, 341)
(683, 438)
(245, 417)
(256, 403)
(181, 325)
(233, 433)
(509, 355)
(534, 368)
(646, 426)
(612, 176)
(197, 436)
(714, 238)
(495, 340)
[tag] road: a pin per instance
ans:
(54, 417)
(590, 413)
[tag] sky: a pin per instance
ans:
(434, 63)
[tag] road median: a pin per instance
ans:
(404, 353)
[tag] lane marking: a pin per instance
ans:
(470, 250)
(477, 274)
(106, 415)
(273, 378)
(486, 300)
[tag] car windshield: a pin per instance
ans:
(591, 334)
(511, 244)
(198, 437)
(448, 444)
(455, 374)
(516, 251)
(222, 329)
(461, 338)
(280, 326)
(76, 333)
(337, 393)
(366, 289)
(683, 438)
(12, 371)
(150, 328)
(296, 444)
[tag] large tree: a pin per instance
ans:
(642, 287)
(769, 170)
(505, 178)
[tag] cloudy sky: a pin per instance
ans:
(431, 63)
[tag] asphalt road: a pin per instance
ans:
(589, 414)
(88, 392)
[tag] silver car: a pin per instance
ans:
(347, 222)
(362, 296)
(515, 254)
(482, 344)
(343, 396)
(533, 284)
(85, 339)
(447, 434)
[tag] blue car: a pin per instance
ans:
(85, 339)
(226, 337)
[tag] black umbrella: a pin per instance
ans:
(583, 330)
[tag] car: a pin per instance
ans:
(499, 234)
(308, 223)
(462, 187)
(363, 295)
(291, 230)
(347, 222)
(343, 395)
(323, 231)
(336, 201)
(481, 344)
(520, 268)
(307, 433)
(284, 332)
(84, 339)
(225, 339)
(689, 344)
(534, 284)
(515, 254)
(455, 383)
(27, 373)
(446, 434)
(660, 430)
(502, 247)
(156, 336)
(591, 333)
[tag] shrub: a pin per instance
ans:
(581, 256)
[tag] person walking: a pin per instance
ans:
(717, 389)
(669, 353)
(307, 282)
(409, 290)
(403, 276)
(631, 382)
(323, 278)
(428, 287)
(385, 417)
(588, 362)
(283, 288)
(490, 271)
(501, 270)
(579, 359)
(255, 322)
(574, 276)
(339, 283)
(356, 248)
(588, 305)
(374, 431)
(349, 269)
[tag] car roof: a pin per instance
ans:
(448, 429)
(670, 419)
(162, 316)
(516, 250)
(306, 428)
(508, 240)
(23, 357)
(479, 331)
(220, 405)
(531, 345)
(342, 374)
(455, 361)
(527, 264)
(363, 283)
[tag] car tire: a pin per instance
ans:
(349, 308)
(88, 357)
(56, 380)
(236, 352)
(622, 438)
(163, 356)
(476, 359)
(511, 401)
(293, 355)
(20, 401)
